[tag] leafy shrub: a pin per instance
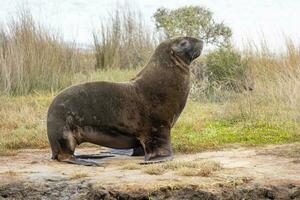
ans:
(226, 68)
(192, 21)
(222, 70)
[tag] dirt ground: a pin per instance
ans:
(247, 173)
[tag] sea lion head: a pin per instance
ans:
(186, 48)
(179, 51)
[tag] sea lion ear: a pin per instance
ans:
(172, 51)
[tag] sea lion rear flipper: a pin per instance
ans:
(94, 156)
(137, 151)
(81, 162)
(126, 152)
(158, 149)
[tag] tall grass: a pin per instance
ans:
(124, 41)
(276, 94)
(33, 58)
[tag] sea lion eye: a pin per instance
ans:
(183, 43)
(180, 46)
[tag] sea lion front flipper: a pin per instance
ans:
(77, 161)
(157, 160)
(158, 149)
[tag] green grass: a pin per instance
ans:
(200, 127)
(219, 133)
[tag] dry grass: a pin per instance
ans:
(7, 152)
(184, 168)
(32, 58)
(276, 95)
(124, 40)
(78, 175)
(154, 170)
(233, 182)
(132, 166)
(184, 171)
(291, 150)
(11, 173)
(203, 168)
(22, 122)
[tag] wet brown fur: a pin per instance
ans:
(124, 115)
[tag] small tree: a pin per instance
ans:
(192, 21)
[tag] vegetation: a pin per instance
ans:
(226, 69)
(192, 21)
(124, 41)
(36, 64)
(200, 127)
(223, 69)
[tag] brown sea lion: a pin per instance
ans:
(138, 113)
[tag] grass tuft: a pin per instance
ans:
(131, 166)
(154, 170)
(184, 168)
(78, 176)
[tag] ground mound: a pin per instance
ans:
(270, 172)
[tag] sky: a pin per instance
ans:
(249, 19)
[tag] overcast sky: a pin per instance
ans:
(249, 19)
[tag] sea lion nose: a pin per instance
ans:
(199, 44)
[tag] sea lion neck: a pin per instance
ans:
(163, 82)
(163, 69)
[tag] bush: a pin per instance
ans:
(226, 68)
(223, 69)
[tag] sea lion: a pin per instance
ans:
(138, 113)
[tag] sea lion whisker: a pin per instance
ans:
(180, 63)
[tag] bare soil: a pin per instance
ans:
(247, 173)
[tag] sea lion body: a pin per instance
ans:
(138, 113)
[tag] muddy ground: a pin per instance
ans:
(247, 173)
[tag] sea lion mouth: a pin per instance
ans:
(197, 50)
(195, 55)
